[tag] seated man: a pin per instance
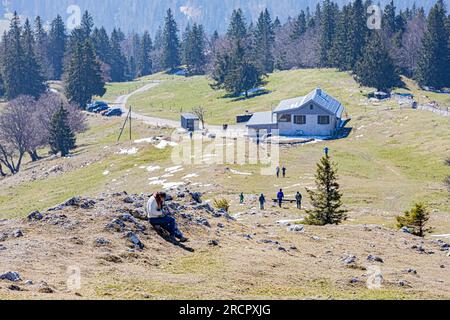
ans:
(157, 217)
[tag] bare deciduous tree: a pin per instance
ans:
(200, 112)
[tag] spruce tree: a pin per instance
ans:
(434, 62)
(376, 68)
(83, 78)
(237, 30)
(170, 43)
(61, 137)
(357, 31)
(87, 24)
(415, 220)
(118, 61)
(57, 46)
(341, 54)
(326, 200)
(195, 57)
(299, 26)
(145, 64)
(42, 48)
(102, 45)
(265, 40)
(34, 82)
(327, 32)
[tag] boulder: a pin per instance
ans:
(73, 202)
(87, 204)
(205, 206)
(129, 199)
(203, 221)
(116, 225)
(411, 270)
(101, 242)
(3, 237)
(213, 243)
(296, 228)
(17, 233)
(11, 276)
(134, 239)
(349, 259)
(196, 196)
(35, 216)
(373, 258)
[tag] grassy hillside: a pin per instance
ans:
(180, 94)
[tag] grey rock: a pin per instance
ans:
(205, 206)
(73, 202)
(268, 241)
(405, 230)
(101, 242)
(57, 208)
(196, 196)
(116, 225)
(411, 270)
(402, 283)
(213, 243)
(296, 228)
(138, 205)
(2, 247)
(354, 280)
(11, 276)
(282, 249)
(220, 225)
(17, 233)
(293, 248)
(203, 221)
(35, 216)
(349, 259)
(247, 236)
(315, 238)
(373, 258)
(135, 240)
(14, 287)
(129, 199)
(3, 237)
(29, 282)
(88, 204)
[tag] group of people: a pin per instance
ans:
(280, 199)
(282, 170)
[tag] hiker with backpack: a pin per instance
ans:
(284, 171)
(280, 197)
(298, 199)
(158, 218)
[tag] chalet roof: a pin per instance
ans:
(261, 118)
(318, 96)
(189, 116)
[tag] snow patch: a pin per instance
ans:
(130, 151)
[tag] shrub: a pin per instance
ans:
(415, 220)
(222, 204)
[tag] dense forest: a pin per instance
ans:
(409, 42)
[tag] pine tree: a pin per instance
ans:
(341, 54)
(170, 43)
(34, 82)
(299, 26)
(415, 220)
(237, 30)
(145, 64)
(21, 71)
(326, 200)
(13, 60)
(388, 21)
(102, 45)
(83, 78)
(87, 24)
(57, 46)
(42, 48)
(376, 68)
(118, 61)
(434, 62)
(61, 137)
(357, 32)
(195, 57)
(158, 39)
(327, 32)
(265, 40)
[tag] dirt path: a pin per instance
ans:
(121, 102)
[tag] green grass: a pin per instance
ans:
(181, 94)
(114, 90)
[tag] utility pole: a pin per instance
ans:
(128, 118)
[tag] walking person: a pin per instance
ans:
(298, 199)
(284, 171)
(278, 172)
(241, 198)
(280, 197)
(157, 217)
(262, 201)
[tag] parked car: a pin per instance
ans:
(101, 108)
(96, 104)
(116, 112)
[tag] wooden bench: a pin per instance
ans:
(285, 200)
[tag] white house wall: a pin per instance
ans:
(311, 128)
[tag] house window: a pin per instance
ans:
(324, 120)
(300, 119)
(311, 107)
(284, 118)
